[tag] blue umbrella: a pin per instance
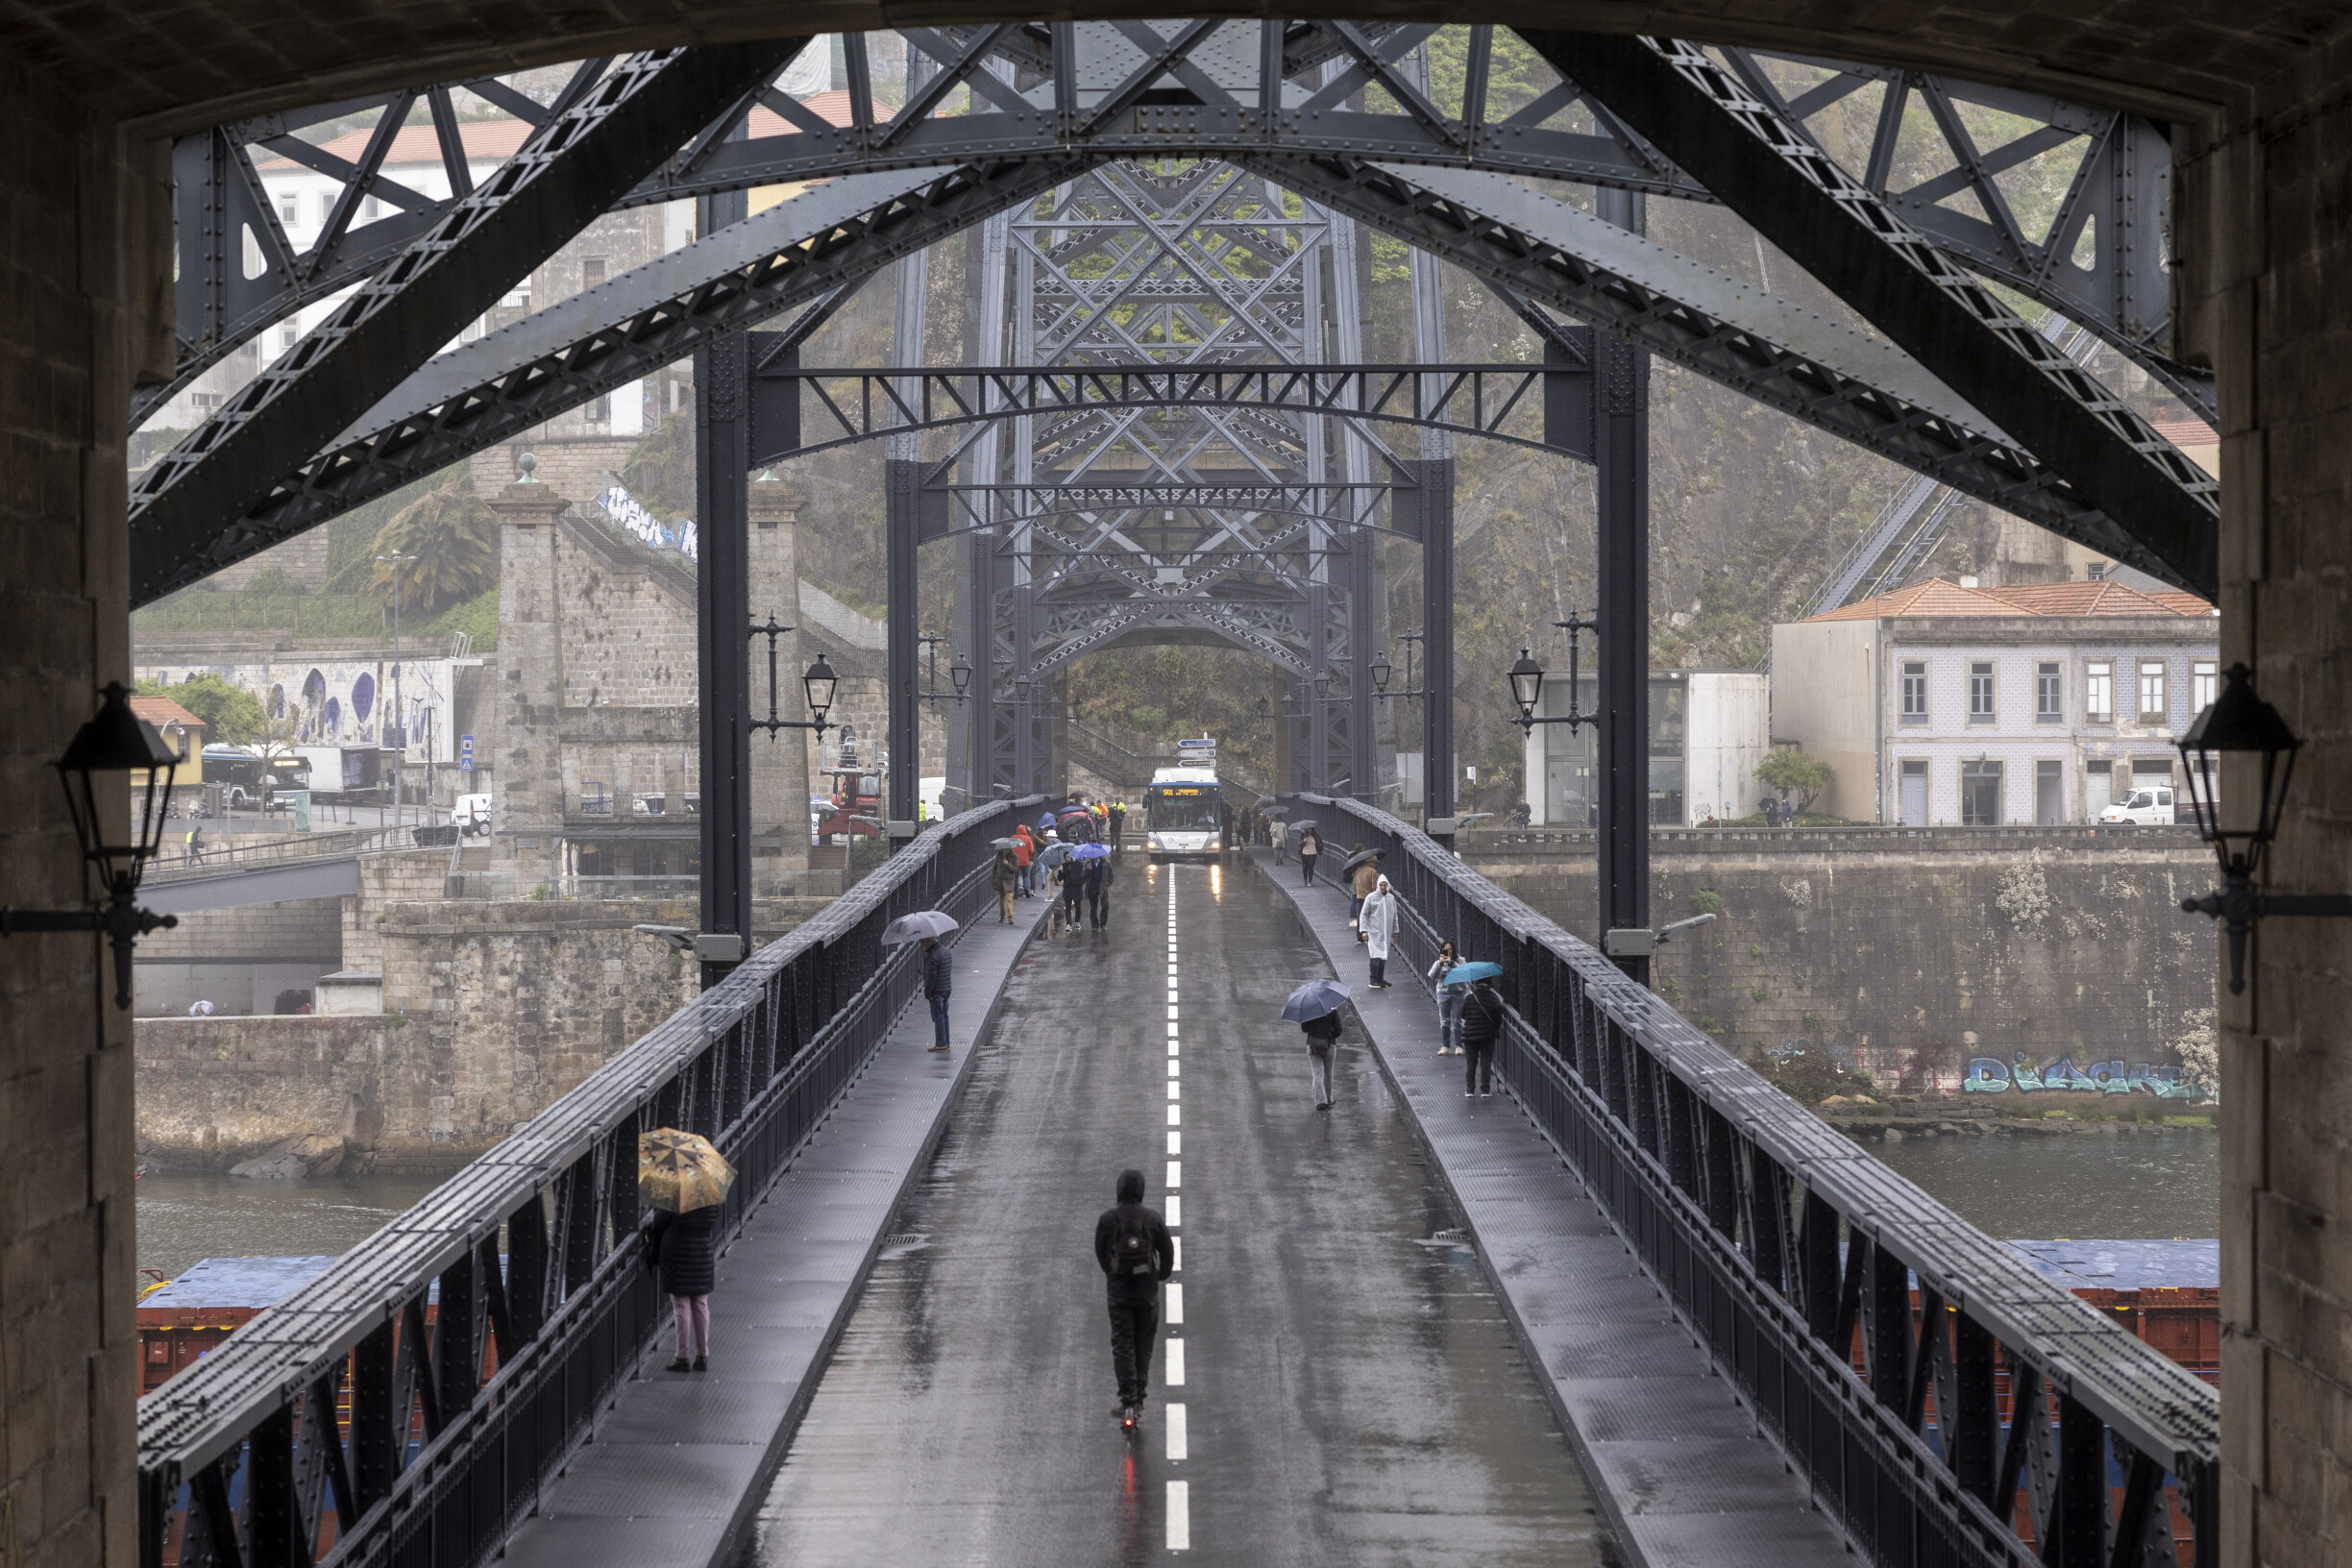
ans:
(1091, 852)
(1045, 821)
(1315, 1000)
(1461, 974)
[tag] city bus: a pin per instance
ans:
(1184, 806)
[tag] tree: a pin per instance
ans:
(232, 713)
(1795, 772)
(453, 538)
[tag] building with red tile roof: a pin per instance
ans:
(1948, 703)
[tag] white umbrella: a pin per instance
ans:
(923, 923)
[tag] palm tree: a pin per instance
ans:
(454, 539)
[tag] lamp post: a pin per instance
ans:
(816, 687)
(959, 671)
(116, 740)
(399, 753)
(2241, 723)
(1527, 680)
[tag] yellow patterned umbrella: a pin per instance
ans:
(680, 1171)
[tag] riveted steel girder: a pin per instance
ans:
(1703, 115)
(190, 514)
(1937, 160)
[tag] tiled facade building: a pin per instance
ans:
(1947, 704)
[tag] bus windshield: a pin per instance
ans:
(1184, 808)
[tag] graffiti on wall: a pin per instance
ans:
(1990, 1075)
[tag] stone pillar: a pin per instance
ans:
(779, 763)
(527, 780)
(2262, 250)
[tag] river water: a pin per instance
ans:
(2129, 1188)
(2136, 1187)
(182, 1218)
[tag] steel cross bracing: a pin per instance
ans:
(1054, 101)
(1945, 156)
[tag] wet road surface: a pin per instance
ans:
(1351, 1392)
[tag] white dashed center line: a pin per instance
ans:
(1178, 1515)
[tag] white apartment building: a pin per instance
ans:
(1947, 704)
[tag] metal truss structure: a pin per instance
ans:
(1348, 116)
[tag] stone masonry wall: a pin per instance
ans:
(212, 1091)
(1912, 950)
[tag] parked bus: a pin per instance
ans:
(247, 779)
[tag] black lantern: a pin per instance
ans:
(1527, 686)
(1322, 686)
(2241, 723)
(116, 740)
(818, 682)
(1382, 669)
(959, 674)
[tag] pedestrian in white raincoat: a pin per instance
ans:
(1376, 927)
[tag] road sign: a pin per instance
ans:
(465, 753)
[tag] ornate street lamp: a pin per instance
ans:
(1382, 669)
(2241, 723)
(1526, 681)
(816, 684)
(116, 740)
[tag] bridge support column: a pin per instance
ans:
(900, 477)
(1621, 453)
(1436, 506)
(722, 592)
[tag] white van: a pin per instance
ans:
(471, 815)
(2145, 807)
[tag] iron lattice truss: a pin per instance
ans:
(2061, 204)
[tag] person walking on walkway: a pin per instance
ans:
(1073, 891)
(1005, 877)
(1099, 874)
(1118, 826)
(195, 844)
(1376, 927)
(939, 982)
(682, 1246)
(1361, 882)
(1310, 846)
(1023, 854)
(1481, 1026)
(1131, 1245)
(1322, 1044)
(1449, 1000)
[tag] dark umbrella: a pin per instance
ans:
(1360, 857)
(1315, 1000)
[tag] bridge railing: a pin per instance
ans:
(1883, 1342)
(281, 849)
(406, 1406)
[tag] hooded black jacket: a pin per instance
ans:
(1134, 1288)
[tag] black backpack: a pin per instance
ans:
(1131, 1243)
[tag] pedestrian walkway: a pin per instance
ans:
(1686, 1477)
(1337, 1381)
(679, 1461)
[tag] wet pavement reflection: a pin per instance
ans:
(1352, 1392)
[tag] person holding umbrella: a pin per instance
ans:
(1096, 859)
(1310, 846)
(1481, 1027)
(929, 927)
(1314, 1007)
(684, 1180)
(1376, 927)
(1073, 887)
